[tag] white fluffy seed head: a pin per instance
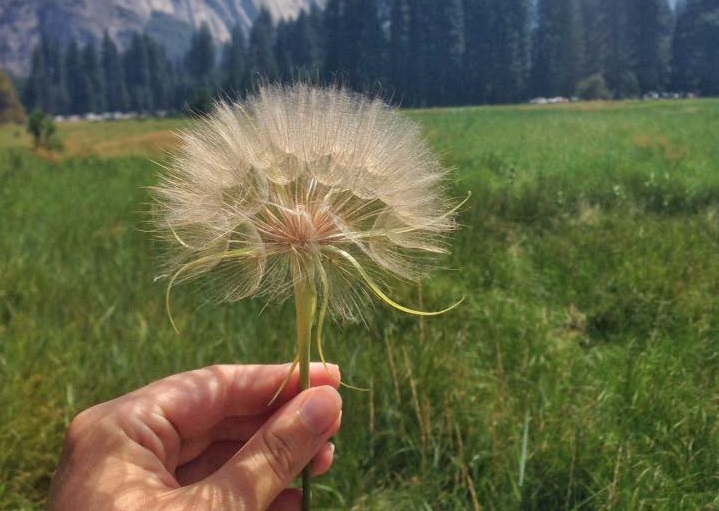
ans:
(303, 182)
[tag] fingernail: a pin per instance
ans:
(321, 409)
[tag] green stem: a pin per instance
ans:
(305, 306)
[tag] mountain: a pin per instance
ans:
(171, 22)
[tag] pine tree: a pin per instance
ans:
(200, 58)
(558, 48)
(137, 73)
(297, 49)
(161, 74)
(618, 65)
(46, 87)
(78, 82)
(401, 47)
(234, 64)
(114, 75)
(650, 36)
(334, 40)
(448, 55)
(365, 43)
(317, 24)
(283, 50)
(511, 50)
(356, 46)
(37, 83)
(479, 49)
(305, 42)
(57, 94)
(94, 78)
(261, 55)
(596, 39)
(696, 40)
(423, 48)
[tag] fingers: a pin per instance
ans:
(207, 463)
(272, 458)
(197, 400)
(288, 500)
(322, 461)
(220, 453)
(136, 442)
(231, 429)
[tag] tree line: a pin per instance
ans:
(417, 52)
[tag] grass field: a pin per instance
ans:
(580, 373)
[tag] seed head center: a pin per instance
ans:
(301, 228)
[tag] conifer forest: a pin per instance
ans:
(415, 53)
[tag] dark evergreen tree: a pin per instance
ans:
(161, 74)
(114, 75)
(509, 69)
(297, 48)
(650, 25)
(558, 48)
(436, 34)
(94, 77)
(430, 52)
(618, 71)
(335, 39)
(200, 58)
(355, 44)
(37, 83)
(46, 86)
(57, 93)
(184, 89)
(79, 86)
(261, 56)
(137, 73)
(423, 48)
(234, 64)
(596, 40)
(305, 42)
(696, 40)
(479, 49)
(447, 58)
(317, 27)
(400, 61)
(366, 44)
(283, 50)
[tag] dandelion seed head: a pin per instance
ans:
(303, 182)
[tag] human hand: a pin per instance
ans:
(204, 439)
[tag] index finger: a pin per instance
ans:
(196, 400)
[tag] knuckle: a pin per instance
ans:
(80, 424)
(279, 453)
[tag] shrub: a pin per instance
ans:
(593, 87)
(43, 130)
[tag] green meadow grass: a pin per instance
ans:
(580, 372)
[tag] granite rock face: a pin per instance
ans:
(171, 22)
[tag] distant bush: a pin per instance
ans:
(629, 86)
(201, 103)
(593, 87)
(43, 130)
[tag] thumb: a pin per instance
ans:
(279, 451)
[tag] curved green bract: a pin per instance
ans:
(206, 260)
(380, 294)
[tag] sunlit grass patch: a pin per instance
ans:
(106, 139)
